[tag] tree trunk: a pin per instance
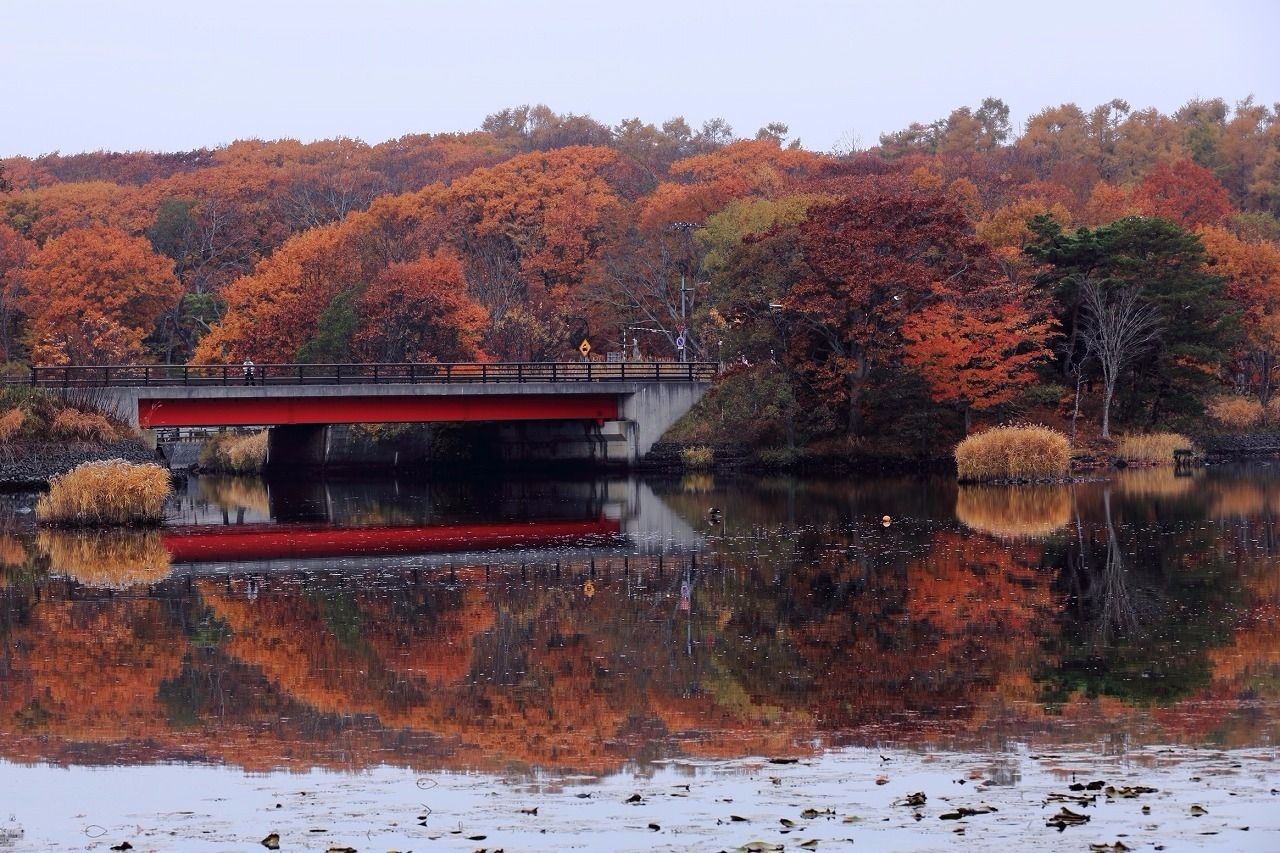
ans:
(855, 403)
(968, 418)
(1107, 393)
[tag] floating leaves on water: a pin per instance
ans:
(1078, 799)
(532, 811)
(811, 844)
(1119, 847)
(882, 780)
(913, 800)
(784, 761)
(583, 796)
(634, 798)
(476, 837)
(737, 818)
(967, 811)
(272, 841)
(787, 822)
(1197, 810)
(810, 814)
(1128, 792)
(346, 849)
(654, 827)
(123, 845)
(1092, 786)
(1066, 817)
(761, 847)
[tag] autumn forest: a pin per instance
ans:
(1100, 263)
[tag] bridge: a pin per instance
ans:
(603, 411)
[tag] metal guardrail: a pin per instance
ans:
(133, 375)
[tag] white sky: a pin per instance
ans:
(173, 74)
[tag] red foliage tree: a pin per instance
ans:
(1184, 192)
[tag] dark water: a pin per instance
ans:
(584, 626)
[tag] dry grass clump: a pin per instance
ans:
(104, 493)
(1235, 412)
(695, 458)
(114, 559)
(1014, 512)
(1153, 448)
(235, 452)
(75, 425)
(1027, 452)
(11, 424)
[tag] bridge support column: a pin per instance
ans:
(612, 442)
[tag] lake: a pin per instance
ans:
(705, 662)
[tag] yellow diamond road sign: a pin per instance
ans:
(584, 347)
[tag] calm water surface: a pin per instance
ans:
(534, 635)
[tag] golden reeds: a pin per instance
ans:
(696, 458)
(235, 453)
(1014, 512)
(11, 423)
(75, 425)
(1013, 453)
(115, 559)
(1236, 412)
(1154, 448)
(105, 493)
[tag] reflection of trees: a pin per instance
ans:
(1143, 606)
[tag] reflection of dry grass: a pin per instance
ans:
(1153, 483)
(1014, 512)
(1237, 499)
(237, 493)
(109, 492)
(1153, 447)
(106, 558)
(1013, 452)
(697, 483)
(12, 552)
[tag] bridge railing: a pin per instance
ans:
(129, 375)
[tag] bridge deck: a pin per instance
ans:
(150, 375)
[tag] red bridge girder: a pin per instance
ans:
(273, 411)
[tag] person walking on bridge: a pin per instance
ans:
(248, 371)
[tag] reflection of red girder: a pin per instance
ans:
(280, 541)
(269, 411)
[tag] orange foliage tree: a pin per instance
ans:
(93, 295)
(14, 251)
(420, 311)
(1252, 271)
(979, 350)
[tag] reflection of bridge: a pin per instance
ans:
(254, 542)
(607, 411)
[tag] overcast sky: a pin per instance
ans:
(172, 75)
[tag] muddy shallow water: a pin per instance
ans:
(429, 662)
